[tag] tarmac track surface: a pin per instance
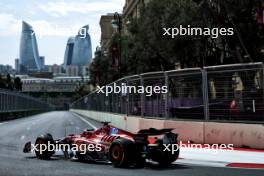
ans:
(14, 134)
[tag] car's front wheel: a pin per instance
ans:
(42, 149)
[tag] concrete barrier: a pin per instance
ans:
(5, 116)
(187, 130)
(250, 135)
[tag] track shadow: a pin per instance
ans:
(92, 162)
(53, 158)
(148, 165)
(154, 166)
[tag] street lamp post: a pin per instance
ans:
(117, 24)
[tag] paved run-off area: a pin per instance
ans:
(14, 134)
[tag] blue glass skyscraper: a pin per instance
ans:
(79, 49)
(69, 52)
(28, 51)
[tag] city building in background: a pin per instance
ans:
(73, 79)
(58, 91)
(72, 70)
(131, 10)
(28, 50)
(42, 62)
(85, 70)
(78, 52)
(56, 84)
(17, 65)
(53, 85)
(82, 50)
(47, 85)
(68, 52)
(42, 74)
(55, 69)
(6, 69)
(106, 30)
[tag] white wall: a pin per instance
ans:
(251, 135)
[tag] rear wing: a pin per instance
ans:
(154, 132)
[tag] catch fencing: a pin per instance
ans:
(11, 101)
(217, 93)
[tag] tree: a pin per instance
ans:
(150, 46)
(18, 84)
(149, 50)
(101, 69)
(2, 82)
(9, 83)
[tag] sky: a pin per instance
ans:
(53, 21)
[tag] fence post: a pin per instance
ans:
(1, 101)
(127, 99)
(142, 98)
(6, 102)
(262, 82)
(205, 94)
(166, 95)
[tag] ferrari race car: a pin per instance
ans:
(121, 148)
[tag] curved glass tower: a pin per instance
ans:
(69, 52)
(79, 49)
(82, 51)
(28, 50)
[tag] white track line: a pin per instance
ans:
(3, 123)
(200, 163)
(220, 159)
(224, 156)
(84, 120)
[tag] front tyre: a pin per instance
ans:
(42, 147)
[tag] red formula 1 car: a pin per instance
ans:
(108, 143)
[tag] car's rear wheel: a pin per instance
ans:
(42, 147)
(166, 158)
(140, 162)
(121, 153)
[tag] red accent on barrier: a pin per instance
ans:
(246, 165)
(235, 148)
(248, 150)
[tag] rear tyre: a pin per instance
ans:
(140, 162)
(121, 153)
(41, 144)
(166, 158)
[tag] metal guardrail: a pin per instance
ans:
(226, 93)
(11, 101)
